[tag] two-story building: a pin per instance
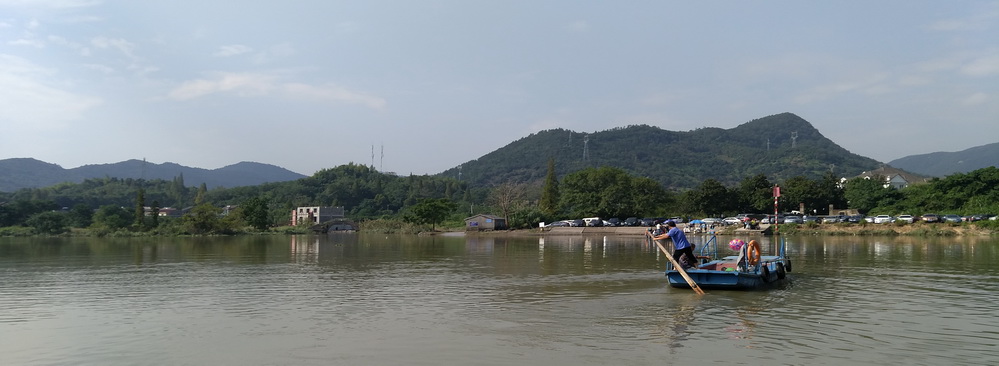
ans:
(316, 214)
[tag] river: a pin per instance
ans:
(368, 299)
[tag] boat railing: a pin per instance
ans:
(710, 248)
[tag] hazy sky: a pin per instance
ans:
(308, 85)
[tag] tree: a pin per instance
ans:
(155, 214)
(432, 211)
(864, 194)
(255, 213)
(202, 191)
(549, 193)
(712, 198)
(49, 222)
(112, 217)
(203, 219)
(81, 215)
(610, 192)
(756, 194)
(507, 197)
(140, 208)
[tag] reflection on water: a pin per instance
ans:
(488, 300)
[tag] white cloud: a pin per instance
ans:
(28, 101)
(333, 93)
(347, 27)
(975, 99)
(981, 20)
(119, 44)
(232, 50)
(868, 85)
(241, 84)
(27, 42)
(250, 84)
(578, 26)
(274, 52)
(982, 66)
(53, 4)
(101, 68)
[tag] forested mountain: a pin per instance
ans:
(941, 164)
(31, 173)
(780, 146)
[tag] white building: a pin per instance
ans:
(316, 214)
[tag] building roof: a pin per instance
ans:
(890, 172)
(488, 216)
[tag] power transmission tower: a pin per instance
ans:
(794, 138)
(586, 152)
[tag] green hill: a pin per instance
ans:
(940, 164)
(780, 146)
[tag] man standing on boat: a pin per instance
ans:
(680, 244)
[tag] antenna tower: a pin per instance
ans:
(459, 172)
(372, 156)
(794, 138)
(381, 160)
(586, 148)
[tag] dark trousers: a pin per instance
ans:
(690, 255)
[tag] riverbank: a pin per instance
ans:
(839, 229)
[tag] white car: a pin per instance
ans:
(883, 219)
(711, 221)
(732, 221)
(906, 218)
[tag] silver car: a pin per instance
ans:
(793, 220)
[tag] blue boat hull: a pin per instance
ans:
(758, 279)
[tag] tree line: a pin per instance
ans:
(108, 206)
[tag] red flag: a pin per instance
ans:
(776, 191)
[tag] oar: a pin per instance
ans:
(679, 268)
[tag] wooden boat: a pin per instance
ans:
(746, 271)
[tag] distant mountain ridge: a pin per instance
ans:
(779, 146)
(940, 164)
(21, 173)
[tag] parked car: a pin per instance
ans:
(973, 218)
(632, 221)
(906, 218)
(648, 221)
(613, 221)
(711, 221)
(951, 218)
(577, 223)
(808, 218)
(833, 219)
(793, 220)
(856, 219)
(883, 219)
(732, 221)
(931, 218)
(563, 223)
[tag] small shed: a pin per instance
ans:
(485, 222)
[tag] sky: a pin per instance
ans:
(418, 87)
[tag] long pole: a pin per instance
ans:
(776, 195)
(679, 268)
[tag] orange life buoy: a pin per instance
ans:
(753, 252)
